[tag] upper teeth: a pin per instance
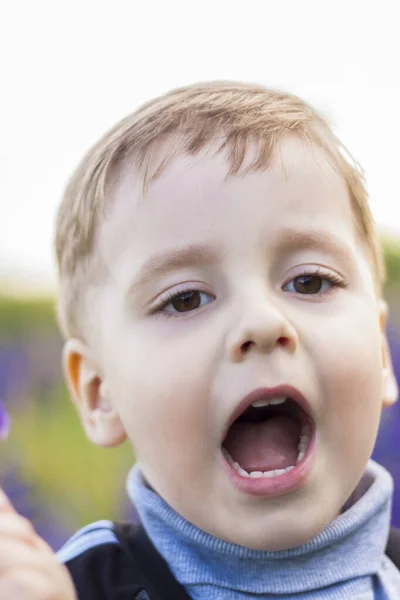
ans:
(276, 400)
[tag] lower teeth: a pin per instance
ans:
(302, 446)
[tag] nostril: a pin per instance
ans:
(246, 346)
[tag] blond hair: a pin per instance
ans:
(231, 115)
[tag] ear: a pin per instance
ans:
(91, 395)
(390, 389)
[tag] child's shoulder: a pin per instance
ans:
(95, 560)
(93, 536)
(117, 560)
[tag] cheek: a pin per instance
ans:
(350, 375)
(164, 399)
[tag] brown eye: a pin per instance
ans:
(315, 283)
(308, 284)
(186, 301)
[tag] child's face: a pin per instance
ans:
(176, 378)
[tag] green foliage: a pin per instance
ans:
(20, 317)
(65, 468)
(392, 262)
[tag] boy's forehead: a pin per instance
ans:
(189, 184)
(292, 158)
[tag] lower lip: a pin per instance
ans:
(278, 485)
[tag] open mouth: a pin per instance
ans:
(269, 438)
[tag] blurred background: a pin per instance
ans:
(69, 71)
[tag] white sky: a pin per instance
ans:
(70, 69)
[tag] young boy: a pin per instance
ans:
(221, 299)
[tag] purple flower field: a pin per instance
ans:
(5, 421)
(387, 447)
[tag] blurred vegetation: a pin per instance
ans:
(20, 317)
(392, 261)
(63, 466)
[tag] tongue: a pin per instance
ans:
(265, 446)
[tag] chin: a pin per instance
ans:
(278, 536)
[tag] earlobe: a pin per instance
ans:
(91, 395)
(389, 384)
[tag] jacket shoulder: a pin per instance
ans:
(100, 567)
(89, 538)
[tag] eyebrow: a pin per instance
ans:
(293, 239)
(188, 255)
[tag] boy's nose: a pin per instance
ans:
(261, 327)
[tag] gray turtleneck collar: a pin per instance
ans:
(345, 561)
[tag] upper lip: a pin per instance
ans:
(265, 393)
